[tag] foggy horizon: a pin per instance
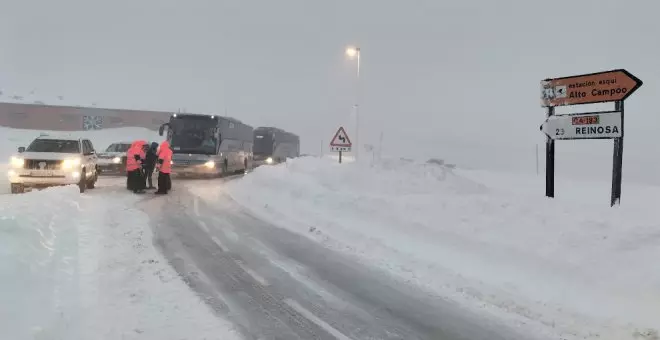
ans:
(458, 81)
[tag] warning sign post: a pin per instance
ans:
(602, 87)
(340, 142)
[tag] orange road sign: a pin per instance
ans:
(590, 88)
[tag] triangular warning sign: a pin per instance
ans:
(341, 139)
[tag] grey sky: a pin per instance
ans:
(454, 79)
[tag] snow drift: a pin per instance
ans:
(558, 269)
(83, 267)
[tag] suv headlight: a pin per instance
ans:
(210, 164)
(269, 160)
(70, 163)
(17, 162)
(116, 160)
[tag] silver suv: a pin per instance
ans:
(52, 161)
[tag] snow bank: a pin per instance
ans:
(13, 138)
(554, 268)
(83, 267)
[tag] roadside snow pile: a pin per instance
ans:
(589, 191)
(83, 267)
(13, 138)
(554, 269)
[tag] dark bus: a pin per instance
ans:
(273, 145)
(208, 144)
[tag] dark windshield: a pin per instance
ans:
(194, 135)
(263, 144)
(53, 145)
(118, 147)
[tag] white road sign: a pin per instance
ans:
(341, 148)
(597, 125)
(341, 142)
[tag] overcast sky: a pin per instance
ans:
(452, 79)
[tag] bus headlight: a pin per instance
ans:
(116, 160)
(269, 160)
(17, 162)
(210, 164)
(69, 164)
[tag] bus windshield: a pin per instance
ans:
(263, 144)
(193, 135)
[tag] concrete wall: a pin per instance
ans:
(68, 118)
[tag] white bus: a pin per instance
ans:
(208, 145)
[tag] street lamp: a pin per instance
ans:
(353, 52)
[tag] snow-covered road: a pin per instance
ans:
(274, 284)
(80, 267)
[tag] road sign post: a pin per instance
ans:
(340, 142)
(602, 87)
(550, 160)
(617, 162)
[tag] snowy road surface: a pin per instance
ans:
(84, 267)
(274, 284)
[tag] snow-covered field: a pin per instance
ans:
(83, 267)
(14, 138)
(569, 268)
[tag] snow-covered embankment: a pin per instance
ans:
(557, 269)
(83, 267)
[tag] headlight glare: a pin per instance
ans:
(269, 160)
(70, 163)
(210, 164)
(116, 160)
(17, 162)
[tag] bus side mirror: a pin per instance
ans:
(21, 149)
(161, 129)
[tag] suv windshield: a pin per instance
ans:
(118, 147)
(54, 145)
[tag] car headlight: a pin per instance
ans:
(116, 160)
(210, 164)
(70, 163)
(269, 160)
(17, 162)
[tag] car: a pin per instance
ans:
(112, 161)
(54, 161)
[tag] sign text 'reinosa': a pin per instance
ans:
(598, 125)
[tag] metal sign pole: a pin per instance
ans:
(617, 162)
(550, 161)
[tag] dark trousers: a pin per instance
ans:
(136, 180)
(149, 173)
(164, 183)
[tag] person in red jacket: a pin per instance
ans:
(134, 158)
(164, 166)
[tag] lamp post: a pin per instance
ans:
(353, 52)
